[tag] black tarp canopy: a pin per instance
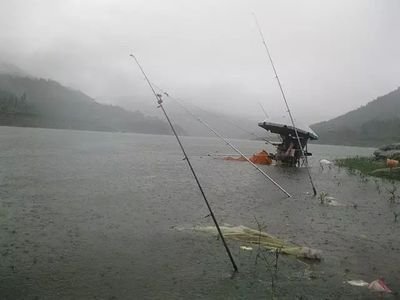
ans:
(284, 129)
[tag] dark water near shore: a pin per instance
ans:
(91, 215)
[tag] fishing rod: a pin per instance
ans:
(160, 105)
(230, 122)
(227, 142)
(286, 103)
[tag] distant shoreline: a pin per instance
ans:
(363, 145)
(85, 130)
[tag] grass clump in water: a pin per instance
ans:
(369, 166)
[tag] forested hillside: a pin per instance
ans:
(374, 124)
(31, 102)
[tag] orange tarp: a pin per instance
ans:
(261, 158)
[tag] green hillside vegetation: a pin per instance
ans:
(31, 102)
(374, 124)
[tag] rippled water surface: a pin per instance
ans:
(91, 215)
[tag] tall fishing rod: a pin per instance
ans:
(286, 103)
(227, 142)
(160, 101)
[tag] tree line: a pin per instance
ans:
(11, 103)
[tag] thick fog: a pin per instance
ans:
(332, 56)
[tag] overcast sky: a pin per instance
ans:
(331, 56)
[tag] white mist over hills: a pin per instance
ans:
(332, 56)
(35, 102)
(29, 101)
(11, 69)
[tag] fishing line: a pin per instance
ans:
(240, 128)
(286, 103)
(160, 105)
(226, 141)
(228, 121)
(262, 107)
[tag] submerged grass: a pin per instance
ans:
(369, 166)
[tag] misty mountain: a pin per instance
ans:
(374, 124)
(10, 69)
(32, 102)
(228, 125)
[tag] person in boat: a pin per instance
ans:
(289, 151)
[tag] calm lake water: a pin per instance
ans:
(93, 215)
